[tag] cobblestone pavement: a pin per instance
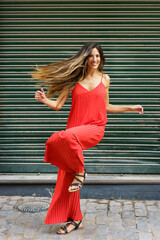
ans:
(103, 220)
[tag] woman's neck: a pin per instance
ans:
(92, 73)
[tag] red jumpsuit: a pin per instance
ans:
(64, 149)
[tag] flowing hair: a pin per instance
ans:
(66, 73)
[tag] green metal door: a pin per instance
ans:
(41, 32)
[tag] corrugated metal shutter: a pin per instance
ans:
(40, 32)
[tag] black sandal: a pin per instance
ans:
(80, 184)
(73, 223)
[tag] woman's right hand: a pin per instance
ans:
(40, 96)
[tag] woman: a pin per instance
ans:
(82, 75)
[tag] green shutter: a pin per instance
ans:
(41, 32)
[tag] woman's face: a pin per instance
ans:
(94, 59)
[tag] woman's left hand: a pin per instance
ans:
(137, 108)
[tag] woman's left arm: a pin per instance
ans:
(119, 108)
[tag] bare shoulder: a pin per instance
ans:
(107, 80)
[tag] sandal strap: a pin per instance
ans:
(78, 179)
(77, 174)
(64, 229)
(80, 183)
(76, 224)
(76, 184)
(84, 175)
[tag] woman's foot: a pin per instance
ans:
(73, 225)
(78, 181)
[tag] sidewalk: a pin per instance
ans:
(103, 220)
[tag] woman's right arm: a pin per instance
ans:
(54, 104)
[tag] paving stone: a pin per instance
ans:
(100, 237)
(140, 212)
(4, 231)
(91, 204)
(90, 200)
(51, 229)
(128, 222)
(102, 229)
(156, 234)
(127, 202)
(45, 236)
(132, 238)
(88, 233)
(142, 224)
(1, 205)
(115, 210)
(84, 201)
(13, 215)
(115, 235)
(150, 202)
(91, 210)
(139, 205)
(152, 208)
(90, 216)
(154, 218)
(43, 215)
(15, 198)
(145, 236)
(19, 229)
(73, 235)
(115, 225)
(120, 200)
(46, 228)
(101, 220)
(3, 200)
(128, 208)
(35, 224)
(127, 214)
(27, 238)
(114, 215)
(70, 237)
(151, 215)
(14, 237)
(30, 233)
(101, 211)
(53, 237)
(130, 232)
(37, 216)
(103, 206)
(23, 219)
(89, 224)
(83, 209)
(2, 221)
(26, 214)
(3, 237)
(154, 224)
(114, 204)
(12, 202)
(115, 218)
(4, 213)
(8, 224)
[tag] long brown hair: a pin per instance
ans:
(66, 73)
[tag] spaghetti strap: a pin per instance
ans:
(101, 77)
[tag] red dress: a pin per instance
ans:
(64, 149)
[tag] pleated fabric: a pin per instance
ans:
(64, 149)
